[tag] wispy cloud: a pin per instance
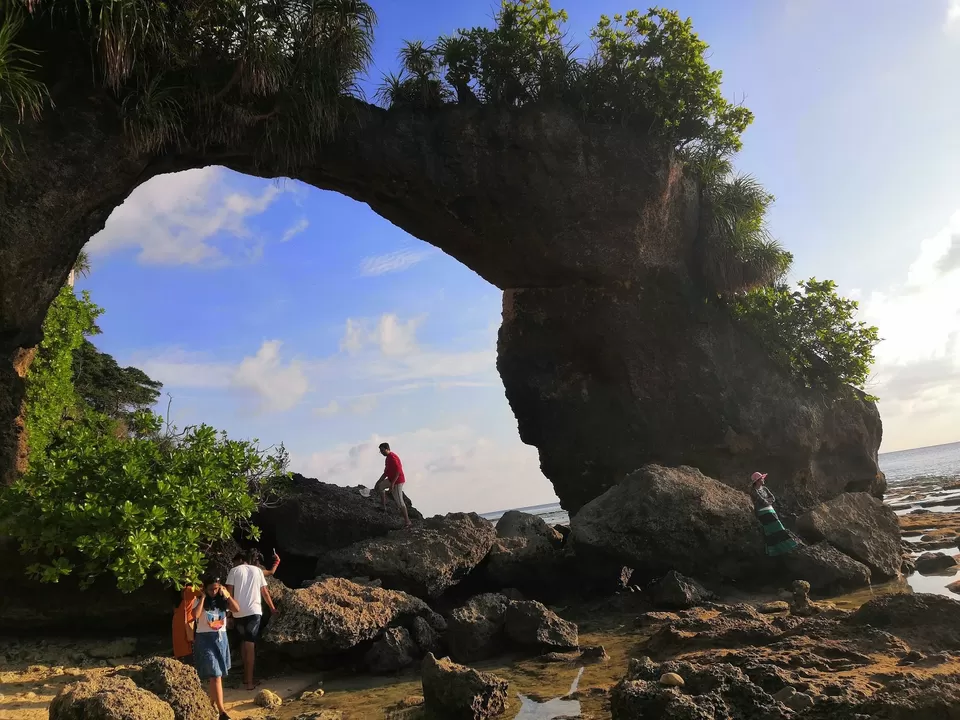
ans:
(294, 230)
(953, 15)
(176, 219)
(391, 262)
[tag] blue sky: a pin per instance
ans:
(277, 311)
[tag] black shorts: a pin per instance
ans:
(248, 628)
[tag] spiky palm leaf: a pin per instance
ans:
(21, 94)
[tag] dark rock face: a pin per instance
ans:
(177, 685)
(461, 693)
(108, 698)
(860, 526)
(426, 637)
(334, 616)
(928, 622)
(475, 631)
(394, 651)
(317, 517)
(514, 523)
(676, 592)
(660, 519)
(531, 624)
(932, 562)
(826, 568)
(424, 560)
(610, 357)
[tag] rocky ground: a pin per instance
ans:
(439, 621)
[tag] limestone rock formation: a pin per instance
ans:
(933, 562)
(461, 693)
(610, 354)
(676, 592)
(179, 686)
(424, 560)
(316, 517)
(334, 615)
(860, 526)
(108, 698)
(826, 568)
(515, 523)
(661, 519)
(930, 623)
(531, 624)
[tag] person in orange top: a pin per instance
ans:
(183, 624)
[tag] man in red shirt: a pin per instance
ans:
(392, 481)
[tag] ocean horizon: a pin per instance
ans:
(934, 461)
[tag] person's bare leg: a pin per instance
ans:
(397, 493)
(215, 690)
(248, 653)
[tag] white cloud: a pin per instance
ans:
(278, 387)
(391, 262)
(917, 375)
(455, 468)
(294, 230)
(393, 337)
(953, 15)
(331, 408)
(175, 219)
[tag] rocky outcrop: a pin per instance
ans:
(930, 623)
(108, 698)
(860, 526)
(675, 592)
(334, 616)
(315, 517)
(933, 562)
(517, 524)
(178, 685)
(610, 356)
(475, 631)
(425, 560)
(530, 624)
(526, 555)
(661, 519)
(461, 693)
(826, 568)
(393, 651)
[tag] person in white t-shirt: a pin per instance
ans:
(211, 654)
(248, 585)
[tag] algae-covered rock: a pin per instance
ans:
(108, 698)
(461, 693)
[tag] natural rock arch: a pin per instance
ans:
(611, 355)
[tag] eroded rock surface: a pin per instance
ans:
(178, 685)
(425, 560)
(531, 624)
(676, 592)
(334, 615)
(859, 525)
(661, 519)
(826, 568)
(461, 693)
(108, 698)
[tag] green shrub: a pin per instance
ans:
(137, 507)
(812, 332)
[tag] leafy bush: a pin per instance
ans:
(51, 395)
(109, 488)
(812, 331)
(138, 507)
(647, 71)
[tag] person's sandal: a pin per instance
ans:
(224, 716)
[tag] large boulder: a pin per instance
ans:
(515, 523)
(425, 560)
(676, 592)
(660, 519)
(475, 631)
(393, 651)
(108, 698)
(530, 624)
(860, 526)
(930, 623)
(177, 685)
(532, 565)
(461, 693)
(315, 517)
(334, 615)
(933, 562)
(826, 568)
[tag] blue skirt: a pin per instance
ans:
(211, 654)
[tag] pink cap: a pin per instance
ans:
(758, 476)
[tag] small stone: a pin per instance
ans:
(594, 652)
(311, 695)
(671, 680)
(777, 606)
(268, 699)
(799, 701)
(783, 695)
